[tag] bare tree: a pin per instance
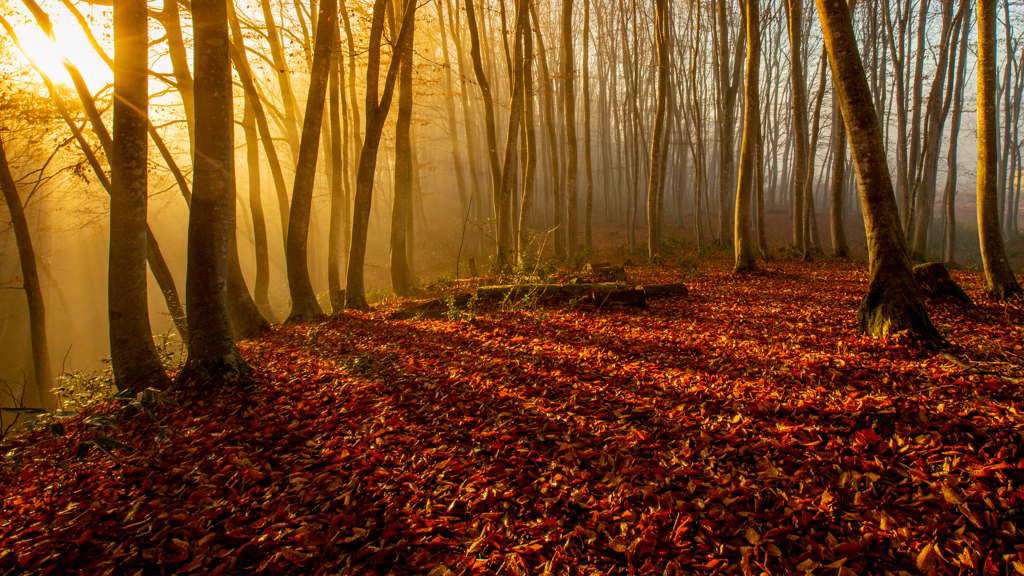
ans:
(893, 302)
(1002, 283)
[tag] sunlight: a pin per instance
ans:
(49, 56)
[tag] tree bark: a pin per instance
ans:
(1002, 283)
(261, 289)
(925, 184)
(656, 177)
(744, 248)
(571, 152)
(304, 304)
(133, 355)
(41, 369)
(794, 9)
(587, 169)
(339, 181)
(504, 204)
(401, 213)
(212, 354)
(376, 115)
(549, 120)
(485, 93)
(949, 207)
(893, 302)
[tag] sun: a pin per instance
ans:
(69, 43)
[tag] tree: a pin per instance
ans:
(304, 304)
(1002, 283)
(893, 302)
(376, 115)
(571, 154)
(36, 306)
(212, 354)
(794, 12)
(744, 248)
(401, 211)
(133, 355)
(656, 178)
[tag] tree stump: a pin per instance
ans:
(605, 272)
(935, 282)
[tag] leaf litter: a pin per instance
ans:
(743, 429)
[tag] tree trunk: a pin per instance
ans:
(1002, 283)
(171, 20)
(277, 53)
(893, 302)
(36, 307)
(588, 172)
(954, 132)
(504, 205)
(933, 139)
(212, 354)
(529, 175)
(376, 115)
(238, 56)
(840, 249)
(569, 78)
(656, 177)
(794, 9)
(744, 248)
(549, 120)
(133, 356)
(339, 181)
(304, 304)
(261, 288)
(449, 100)
(485, 93)
(401, 215)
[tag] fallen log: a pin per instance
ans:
(432, 309)
(672, 289)
(600, 293)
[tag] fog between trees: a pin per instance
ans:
(505, 128)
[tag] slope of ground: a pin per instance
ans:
(743, 429)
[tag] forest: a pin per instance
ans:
(511, 287)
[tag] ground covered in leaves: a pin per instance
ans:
(742, 429)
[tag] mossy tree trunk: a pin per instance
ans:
(893, 302)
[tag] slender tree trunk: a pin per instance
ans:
(171, 20)
(449, 100)
(277, 53)
(549, 120)
(212, 354)
(42, 371)
(656, 177)
(1002, 283)
(376, 115)
(339, 199)
(304, 304)
(569, 78)
(954, 134)
(261, 289)
(794, 9)
(504, 200)
(485, 93)
(238, 56)
(933, 139)
(401, 215)
(893, 302)
(588, 171)
(744, 248)
(529, 174)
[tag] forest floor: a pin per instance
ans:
(744, 428)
